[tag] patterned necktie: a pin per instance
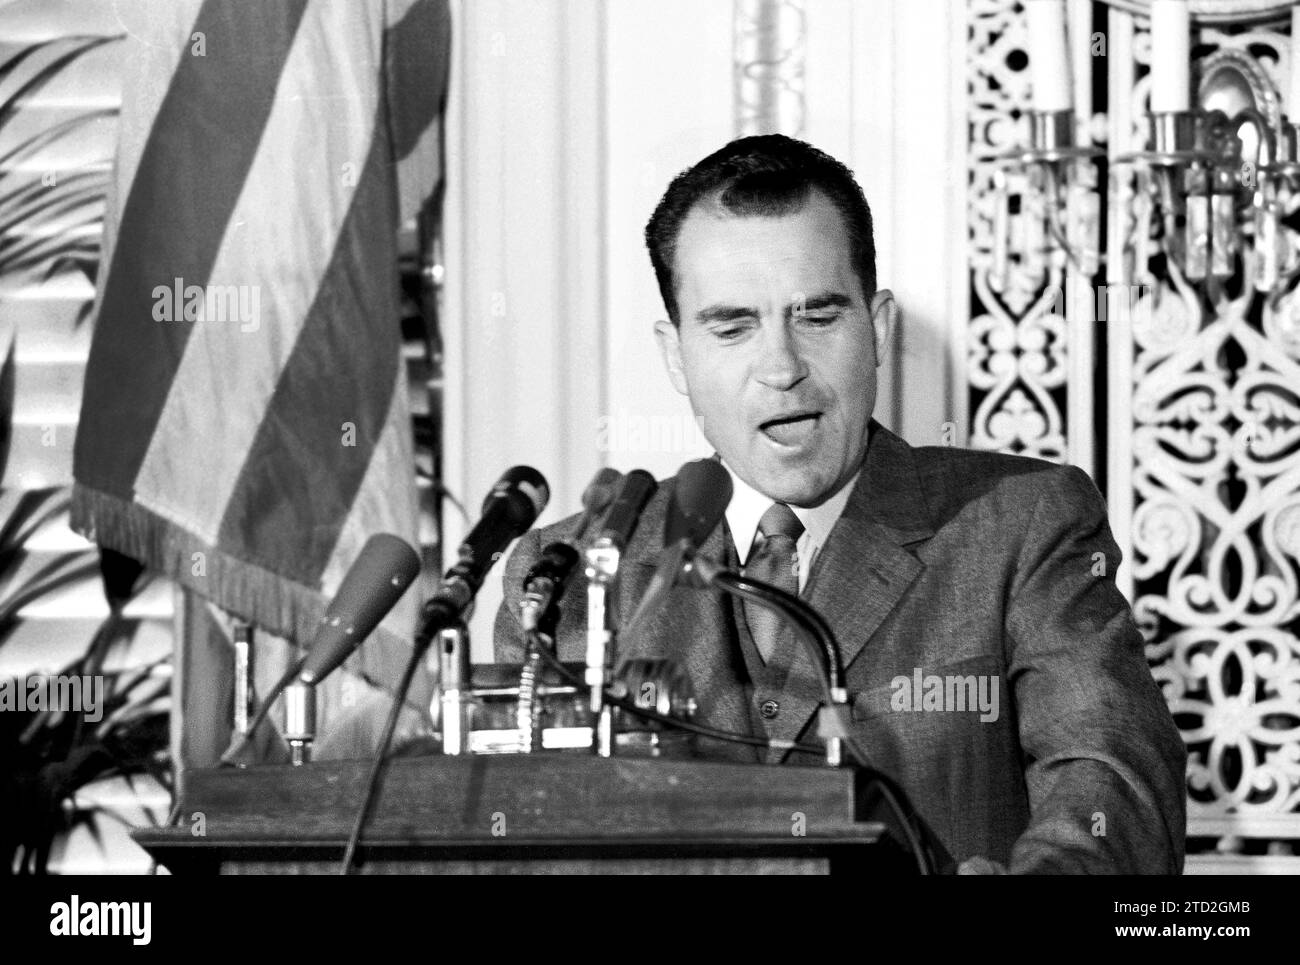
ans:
(773, 560)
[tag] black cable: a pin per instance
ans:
(374, 780)
(702, 730)
(810, 626)
(819, 639)
(905, 816)
(706, 731)
(375, 684)
(884, 784)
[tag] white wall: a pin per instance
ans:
(568, 118)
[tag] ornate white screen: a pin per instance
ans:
(1200, 449)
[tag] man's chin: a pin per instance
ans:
(801, 490)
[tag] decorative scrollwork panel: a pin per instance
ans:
(1203, 395)
(1016, 347)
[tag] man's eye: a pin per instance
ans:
(819, 318)
(729, 333)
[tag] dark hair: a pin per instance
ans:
(766, 176)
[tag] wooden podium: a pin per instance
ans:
(533, 813)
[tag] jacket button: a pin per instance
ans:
(769, 709)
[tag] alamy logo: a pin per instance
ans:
(629, 432)
(212, 303)
(951, 693)
(75, 917)
(68, 693)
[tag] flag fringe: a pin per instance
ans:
(246, 590)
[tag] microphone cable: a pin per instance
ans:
(374, 779)
(702, 730)
(885, 785)
(905, 816)
(241, 741)
(819, 640)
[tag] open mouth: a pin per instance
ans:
(791, 430)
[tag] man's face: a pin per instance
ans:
(777, 347)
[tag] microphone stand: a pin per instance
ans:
(300, 720)
(454, 678)
(603, 559)
(809, 626)
(528, 711)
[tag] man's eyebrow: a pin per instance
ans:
(819, 301)
(812, 303)
(724, 313)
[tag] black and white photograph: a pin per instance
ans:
(650, 437)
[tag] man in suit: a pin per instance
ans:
(994, 669)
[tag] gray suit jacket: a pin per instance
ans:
(954, 565)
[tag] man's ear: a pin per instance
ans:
(670, 347)
(884, 315)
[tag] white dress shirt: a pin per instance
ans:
(748, 506)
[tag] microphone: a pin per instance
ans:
(545, 581)
(376, 580)
(386, 566)
(509, 510)
(544, 586)
(600, 492)
(625, 512)
(604, 557)
(699, 502)
(371, 587)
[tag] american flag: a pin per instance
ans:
(245, 423)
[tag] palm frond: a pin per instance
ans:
(14, 87)
(32, 509)
(46, 756)
(35, 204)
(49, 136)
(66, 569)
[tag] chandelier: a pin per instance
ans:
(1215, 179)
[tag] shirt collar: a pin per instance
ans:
(748, 505)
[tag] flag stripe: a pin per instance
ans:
(423, 34)
(315, 442)
(178, 209)
(382, 507)
(143, 63)
(278, 245)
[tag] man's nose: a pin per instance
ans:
(780, 365)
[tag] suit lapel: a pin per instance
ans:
(862, 571)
